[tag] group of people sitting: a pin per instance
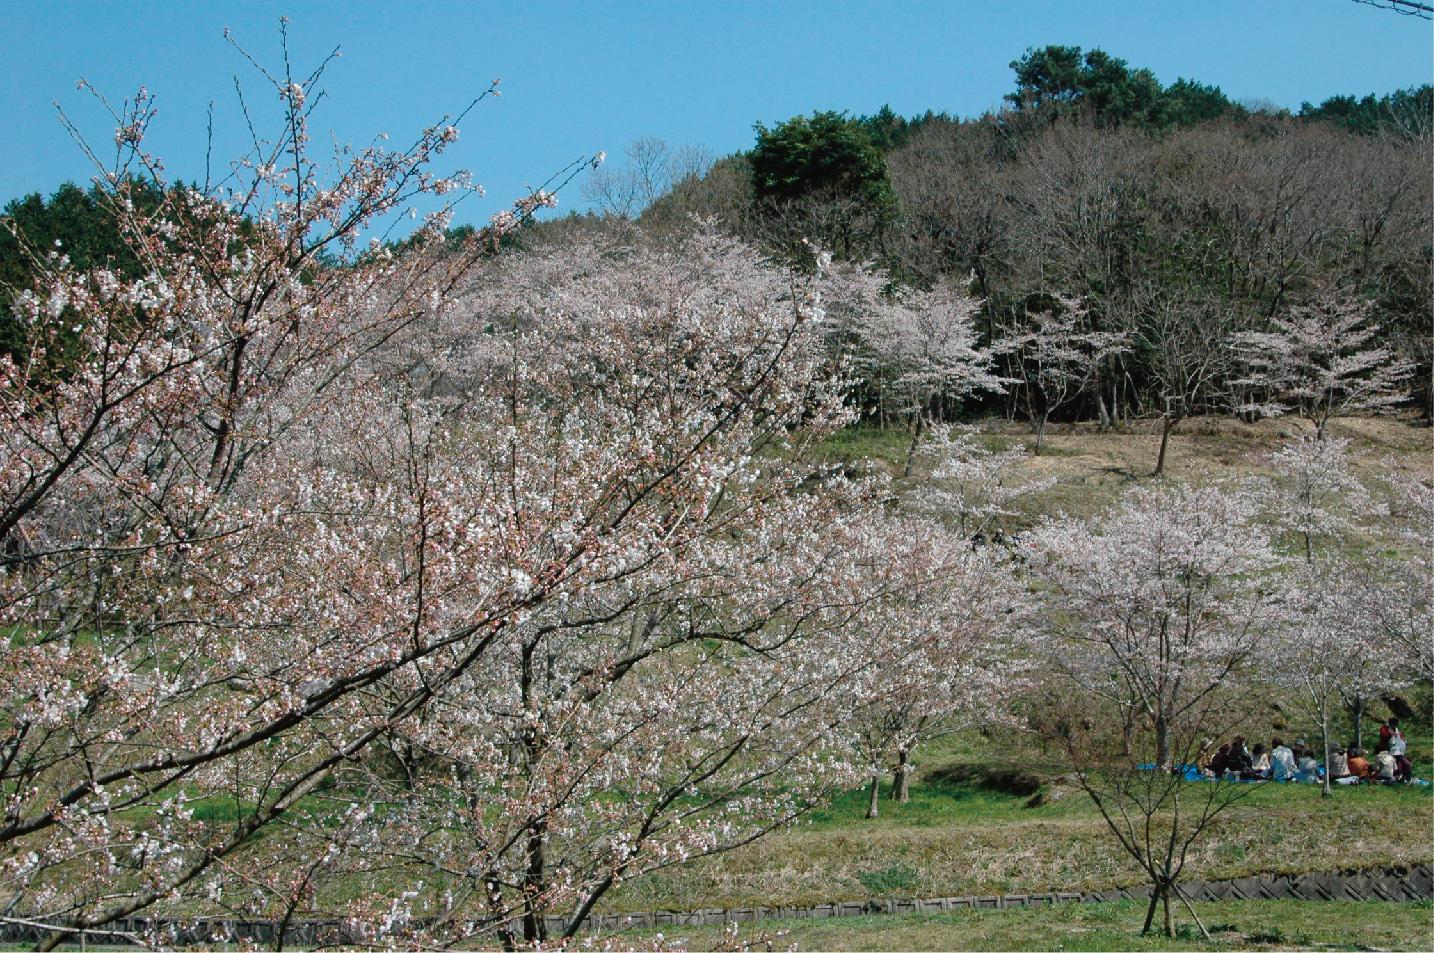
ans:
(1297, 762)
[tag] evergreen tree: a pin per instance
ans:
(1186, 102)
(74, 222)
(1055, 78)
(1404, 112)
(889, 131)
(825, 154)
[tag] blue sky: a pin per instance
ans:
(583, 76)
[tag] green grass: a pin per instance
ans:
(867, 442)
(932, 804)
(218, 809)
(957, 838)
(1235, 925)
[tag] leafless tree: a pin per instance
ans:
(653, 168)
(1185, 342)
(1055, 355)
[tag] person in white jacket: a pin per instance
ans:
(1397, 744)
(1282, 762)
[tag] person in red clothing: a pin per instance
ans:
(1391, 739)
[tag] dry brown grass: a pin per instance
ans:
(1092, 467)
(1286, 830)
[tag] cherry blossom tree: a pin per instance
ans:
(1159, 602)
(1315, 494)
(1315, 497)
(1321, 360)
(924, 344)
(1157, 608)
(154, 491)
(946, 660)
(1326, 650)
(915, 350)
(1055, 355)
(976, 487)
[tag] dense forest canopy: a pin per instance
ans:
(1096, 181)
(1173, 214)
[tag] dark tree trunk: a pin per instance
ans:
(1127, 730)
(1150, 913)
(901, 781)
(1324, 730)
(1357, 708)
(1159, 898)
(873, 808)
(916, 429)
(534, 888)
(1167, 424)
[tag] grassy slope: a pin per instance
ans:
(1091, 468)
(957, 839)
(1235, 925)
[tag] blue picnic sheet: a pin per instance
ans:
(1192, 773)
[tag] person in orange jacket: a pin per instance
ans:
(1359, 766)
